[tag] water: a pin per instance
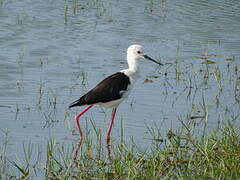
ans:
(51, 55)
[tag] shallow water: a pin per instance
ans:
(50, 56)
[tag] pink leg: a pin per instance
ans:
(78, 116)
(110, 126)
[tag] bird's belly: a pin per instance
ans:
(111, 104)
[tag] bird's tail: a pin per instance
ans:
(79, 102)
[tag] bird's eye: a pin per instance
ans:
(139, 52)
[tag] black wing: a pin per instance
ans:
(107, 90)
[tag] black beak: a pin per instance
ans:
(151, 59)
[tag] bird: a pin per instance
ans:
(111, 91)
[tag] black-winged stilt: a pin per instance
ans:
(114, 89)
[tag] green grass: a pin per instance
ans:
(177, 155)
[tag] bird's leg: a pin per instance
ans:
(78, 116)
(110, 125)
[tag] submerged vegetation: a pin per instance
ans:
(177, 155)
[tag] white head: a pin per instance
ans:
(135, 52)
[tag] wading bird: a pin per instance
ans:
(114, 89)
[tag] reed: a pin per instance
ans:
(179, 154)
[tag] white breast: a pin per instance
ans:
(133, 76)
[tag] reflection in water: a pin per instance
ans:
(78, 146)
(109, 150)
(76, 149)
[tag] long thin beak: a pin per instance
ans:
(151, 59)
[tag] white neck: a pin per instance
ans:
(132, 63)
